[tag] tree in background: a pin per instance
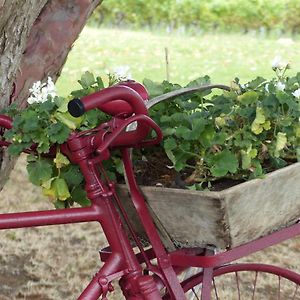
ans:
(35, 39)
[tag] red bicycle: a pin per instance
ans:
(152, 272)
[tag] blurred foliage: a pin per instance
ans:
(245, 15)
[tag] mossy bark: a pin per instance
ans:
(35, 39)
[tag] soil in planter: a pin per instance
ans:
(156, 170)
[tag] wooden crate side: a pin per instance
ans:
(258, 207)
(191, 218)
(124, 196)
(186, 218)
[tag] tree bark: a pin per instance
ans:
(35, 39)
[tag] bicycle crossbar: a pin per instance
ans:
(49, 217)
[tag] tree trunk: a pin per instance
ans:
(35, 39)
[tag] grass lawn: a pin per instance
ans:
(221, 56)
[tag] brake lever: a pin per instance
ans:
(111, 139)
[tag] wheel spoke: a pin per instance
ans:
(238, 284)
(195, 294)
(279, 284)
(295, 293)
(254, 285)
(215, 289)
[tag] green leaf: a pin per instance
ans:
(249, 97)
(61, 189)
(179, 118)
(219, 138)
(79, 196)
(182, 132)
(94, 117)
(200, 81)
(170, 144)
(154, 89)
(47, 106)
(171, 156)
(63, 106)
(17, 148)
(61, 160)
(165, 119)
(258, 170)
(190, 105)
(207, 136)
(44, 145)
(281, 141)
(246, 160)
(58, 133)
(39, 171)
(168, 131)
(118, 164)
(47, 184)
(278, 162)
(179, 165)
(87, 79)
(256, 82)
(247, 157)
(60, 204)
(285, 98)
(49, 191)
(224, 162)
(100, 83)
(198, 125)
(260, 124)
(69, 120)
(72, 175)
(30, 121)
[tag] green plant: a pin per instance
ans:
(203, 15)
(46, 123)
(239, 134)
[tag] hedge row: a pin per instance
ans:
(244, 15)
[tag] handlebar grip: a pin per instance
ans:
(76, 108)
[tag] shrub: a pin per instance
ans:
(203, 15)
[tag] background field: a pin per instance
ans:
(221, 56)
(57, 262)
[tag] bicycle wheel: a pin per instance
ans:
(245, 281)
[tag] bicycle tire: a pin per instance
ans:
(247, 281)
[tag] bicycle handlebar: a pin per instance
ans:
(122, 100)
(116, 101)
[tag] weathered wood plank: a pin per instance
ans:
(258, 207)
(227, 218)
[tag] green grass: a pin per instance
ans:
(221, 56)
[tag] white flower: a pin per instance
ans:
(122, 72)
(297, 93)
(39, 92)
(279, 63)
(267, 88)
(280, 86)
(244, 86)
(51, 86)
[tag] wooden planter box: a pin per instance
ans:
(227, 218)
